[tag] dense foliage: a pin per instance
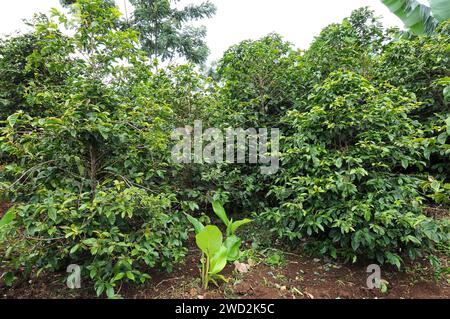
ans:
(86, 121)
(344, 181)
(166, 32)
(85, 175)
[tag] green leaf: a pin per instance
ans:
(53, 121)
(218, 261)
(383, 286)
(416, 16)
(393, 259)
(413, 239)
(220, 212)
(233, 243)
(440, 9)
(198, 226)
(12, 119)
(442, 138)
(235, 225)
(74, 249)
(110, 291)
(100, 289)
(209, 240)
(52, 213)
(7, 218)
(446, 93)
(119, 276)
(90, 241)
(9, 278)
(367, 215)
(435, 185)
(130, 275)
(103, 131)
(405, 163)
(356, 240)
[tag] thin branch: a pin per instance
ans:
(166, 280)
(29, 171)
(45, 239)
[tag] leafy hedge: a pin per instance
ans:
(344, 181)
(86, 173)
(85, 153)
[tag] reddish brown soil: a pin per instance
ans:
(299, 277)
(437, 212)
(3, 208)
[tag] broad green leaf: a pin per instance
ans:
(74, 249)
(220, 212)
(7, 218)
(198, 226)
(416, 16)
(99, 290)
(235, 225)
(440, 9)
(110, 291)
(413, 239)
(393, 259)
(130, 275)
(12, 119)
(338, 162)
(53, 121)
(367, 215)
(119, 276)
(233, 243)
(405, 163)
(52, 213)
(442, 138)
(209, 240)
(218, 261)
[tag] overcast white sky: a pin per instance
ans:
(236, 20)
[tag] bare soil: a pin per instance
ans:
(4, 206)
(437, 212)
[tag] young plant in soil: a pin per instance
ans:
(233, 242)
(215, 251)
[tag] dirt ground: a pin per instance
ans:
(3, 208)
(297, 278)
(293, 277)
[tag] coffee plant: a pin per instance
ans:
(345, 181)
(85, 174)
(85, 147)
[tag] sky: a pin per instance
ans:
(298, 21)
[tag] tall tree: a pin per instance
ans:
(166, 31)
